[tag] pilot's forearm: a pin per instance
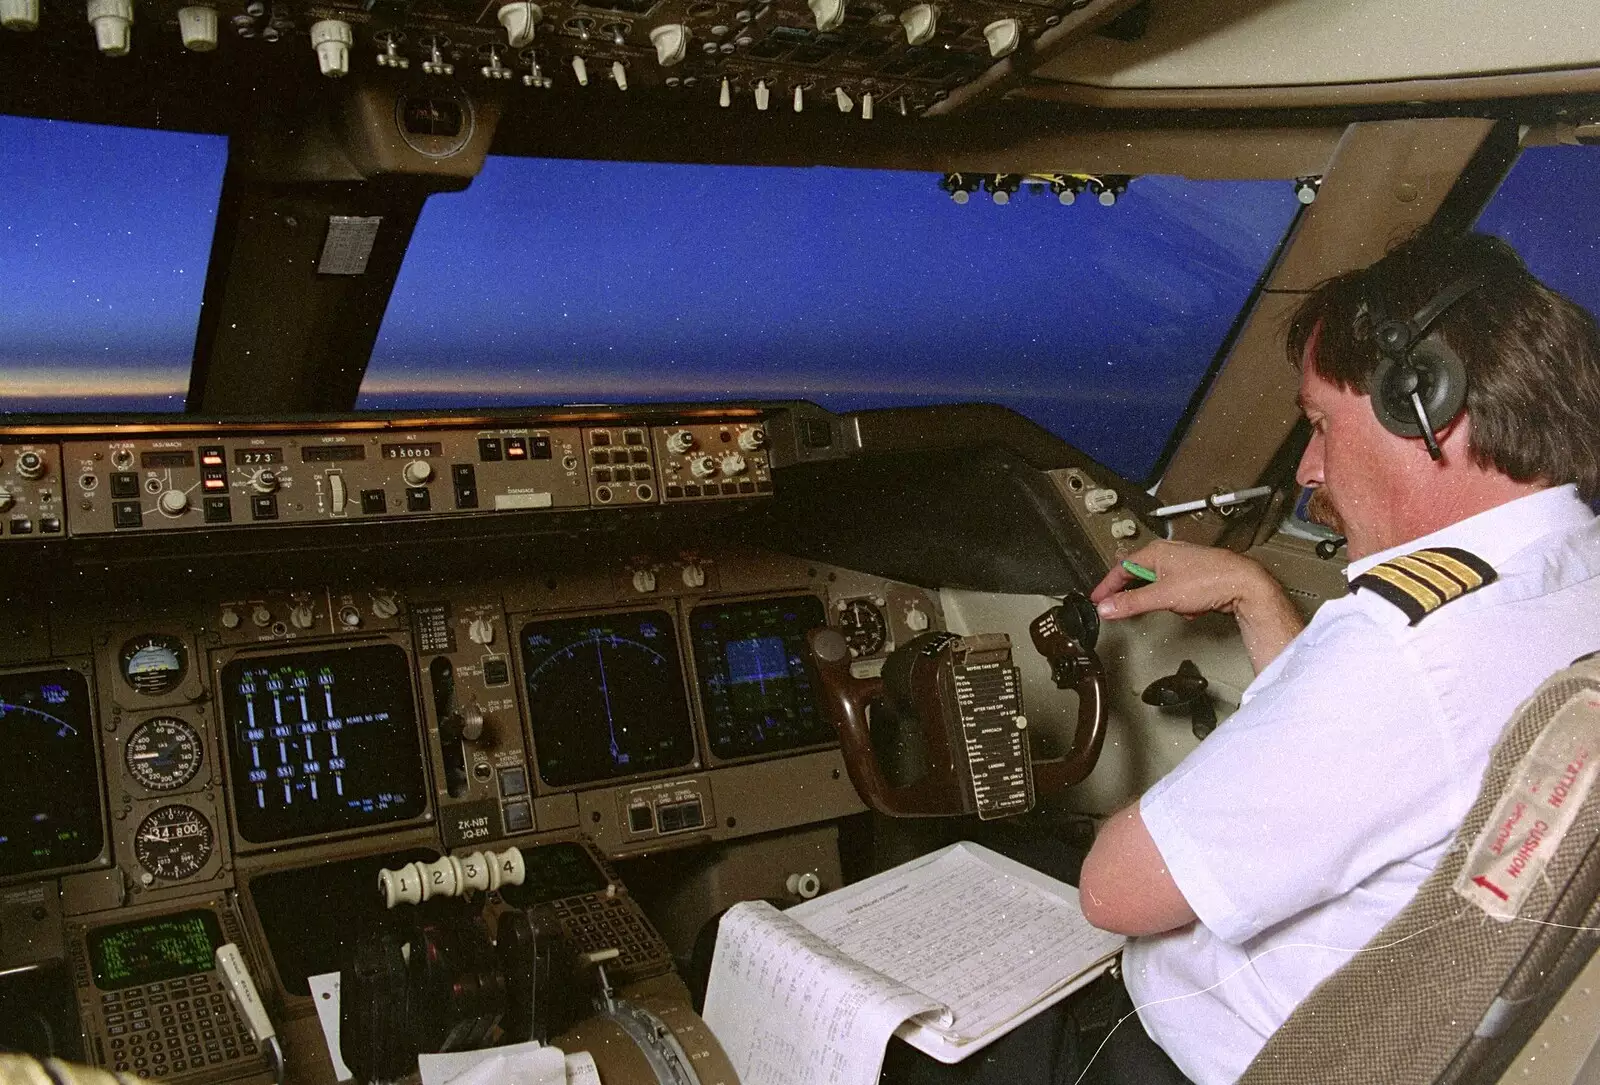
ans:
(1268, 621)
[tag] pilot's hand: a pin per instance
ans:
(1193, 580)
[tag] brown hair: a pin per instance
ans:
(1532, 356)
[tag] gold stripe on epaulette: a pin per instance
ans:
(1425, 596)
(1469, 577)
(1447, 586)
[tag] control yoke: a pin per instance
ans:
(963, 696)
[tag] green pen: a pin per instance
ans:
(1140, 571)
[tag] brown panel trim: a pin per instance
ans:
(1387, 179)
(1014, 68)
(1390, 92)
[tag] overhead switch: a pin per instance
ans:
(520, 19)
(920, 22)
(331, 38)
(799, 99)
(724, 96)
(1004, 36)
(581, 70)
(846, 104)
(671, 41)
(197, 26)
(619, 74)
(866, 106)
(763, 95)
(113, 26)
(19, 14)
(829, 13)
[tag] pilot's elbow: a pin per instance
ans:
(1098, 900)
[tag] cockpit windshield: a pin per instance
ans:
(554, 281)
(104, 237)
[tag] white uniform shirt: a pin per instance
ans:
(1308, 819)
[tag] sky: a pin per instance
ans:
(564, 281)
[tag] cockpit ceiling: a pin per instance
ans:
(1366, 50)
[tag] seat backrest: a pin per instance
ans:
(1451, 989)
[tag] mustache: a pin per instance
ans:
(1320, 510)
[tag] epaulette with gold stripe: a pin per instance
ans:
(1422, 582)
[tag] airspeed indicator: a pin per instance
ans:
(163, 753)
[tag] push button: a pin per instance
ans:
(373, 502)
(513, 782)
(124, 484)
(218, 510)
(126, 514)
(489, 449)
(518, 817)
(264, 506)
(417, 499)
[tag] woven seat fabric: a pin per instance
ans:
(1405, 1009)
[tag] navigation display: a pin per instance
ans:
(132, 954)
(605, 697)
(49, 789)
(753, 681)
(321, 741)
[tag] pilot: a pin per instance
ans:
(1305, 822)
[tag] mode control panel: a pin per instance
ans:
(704, 462)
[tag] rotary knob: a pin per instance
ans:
(732, 464)
(384, 606)
(417, 472)
(480, 631)
(264, 482)
(702, 466)
(301, 616)
(753, 439)
(173, 502)
(680, 442)
(261, 616)
(31, 465)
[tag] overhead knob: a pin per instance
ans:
(480, 631)
(920, 21)
(644, 581)
(332, 38)
(694, 575)
(671, 41)
(829, 13)
(230, 618)
(261, 616)
(1100, 500)
(1004, 36)
(681, 441)
(417, 472)
(301, 616)
(173, 502)
(520, 18)
(753, 439)
(732, 464)
(702, 466)
(197, 26)
(384, 605)
(19, 14)
(113, 26)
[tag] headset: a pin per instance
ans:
(1419, 384)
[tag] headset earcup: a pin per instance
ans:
(1442, 384)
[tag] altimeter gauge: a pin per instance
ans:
(174, 842)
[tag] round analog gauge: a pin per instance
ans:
(173, 842)
(154, 664)
(863, 627)
(163, 753)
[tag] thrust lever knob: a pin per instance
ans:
(197, 26)
(19, 14)
(1004, 35)
(920, 22)
(829, 13)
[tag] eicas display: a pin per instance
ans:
(322, 741)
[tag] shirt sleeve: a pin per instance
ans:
(1336, 768)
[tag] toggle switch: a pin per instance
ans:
(671, 41)
(799, 99)
(763, 95)
(846, 104)
(920, 21)
(113, 26)
(331, 38)
(724, 99)
(19, 14)
(197, 26)
(581, 70)
(619, 74)
(829, 13)
(866, 106)
(1004, 36)
(520, 18)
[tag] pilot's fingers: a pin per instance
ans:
(1130, 603)
(1113, 582)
